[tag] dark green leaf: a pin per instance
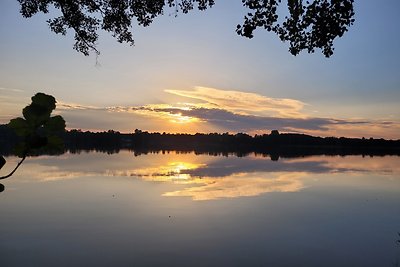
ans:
(55, 145)
(2, 161)
(47, 102)
(55, 124)
(36, 115)
(36, 141)
(20, 127)
(20, 149)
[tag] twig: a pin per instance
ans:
(11, 173)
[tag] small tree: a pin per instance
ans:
(274, 133)
(38, 130)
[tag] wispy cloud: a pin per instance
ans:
(15, 90)
(12, 101)
(235, 111)
(244, 102)
(73, 106)
(240, 122)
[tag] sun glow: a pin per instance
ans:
(179, 118)
(173, 171)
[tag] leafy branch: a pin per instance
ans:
(308, 25)
(38, 130)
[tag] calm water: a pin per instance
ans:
(94, 209)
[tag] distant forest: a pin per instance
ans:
(274, 144)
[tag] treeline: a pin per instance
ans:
(274, 144)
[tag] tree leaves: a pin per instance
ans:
(38, 129)
(45, 101)
(308, 26)
(38, 112)
(2, 161)
(54, 125)
(20, 127)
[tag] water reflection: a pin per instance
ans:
(95, 209)
(175, 171)
(240, 185)
(206, 177)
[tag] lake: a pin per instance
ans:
(173, 209)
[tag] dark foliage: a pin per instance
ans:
(309, 25)
(274, 145)
(37, 132)
(2, 162)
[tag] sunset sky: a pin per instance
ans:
(193, 73)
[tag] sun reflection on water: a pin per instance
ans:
(205, 177)
(172, 172)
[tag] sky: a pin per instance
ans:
(193, 73)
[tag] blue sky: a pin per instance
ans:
(359, 86)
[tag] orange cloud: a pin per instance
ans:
(231, 111)
(241, 185)
(247, 103)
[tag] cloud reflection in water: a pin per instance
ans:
(205, 177)
(241, 185)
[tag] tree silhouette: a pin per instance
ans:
(310, 25)
(38, 131)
